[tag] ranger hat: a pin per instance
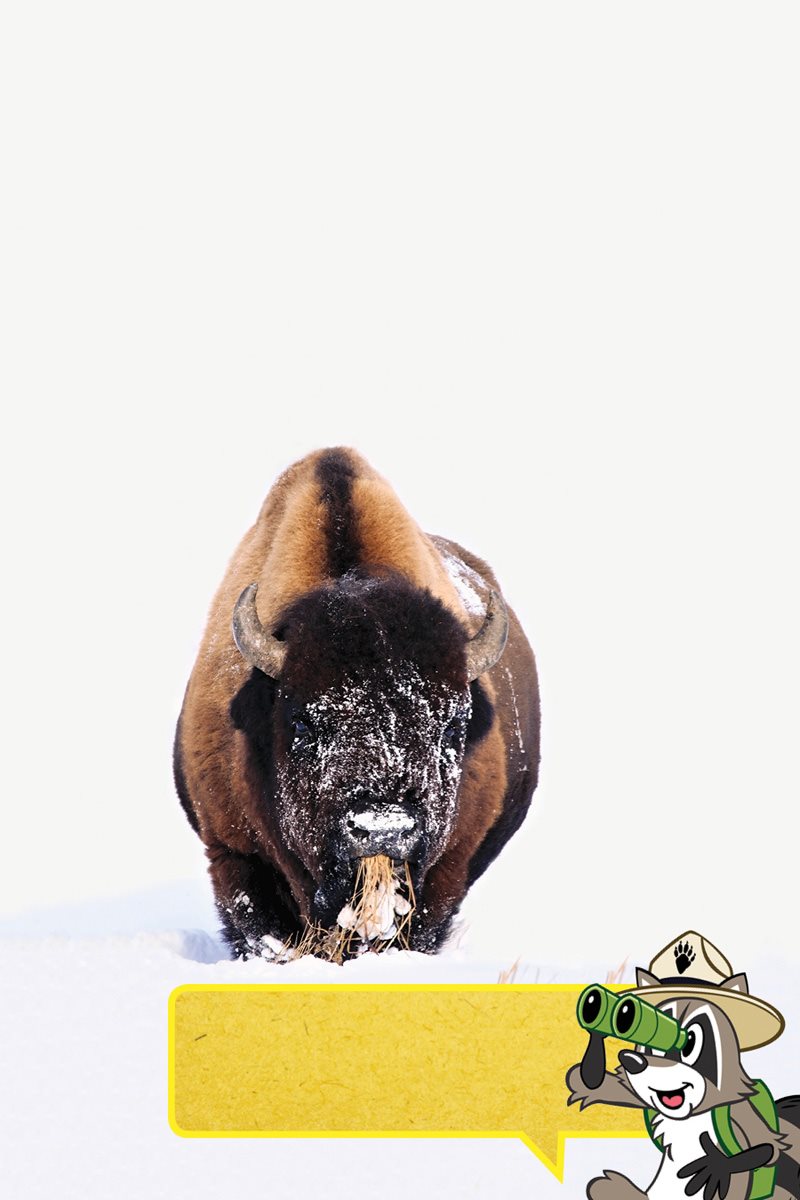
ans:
(692, 966)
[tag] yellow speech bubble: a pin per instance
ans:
(383, 1060)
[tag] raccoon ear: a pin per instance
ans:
(645, 979)
(736, 983)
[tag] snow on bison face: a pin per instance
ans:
(364, 730)
(369, 766)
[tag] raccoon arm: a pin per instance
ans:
(748, 1160)
(590, 1083)
(589, 1073)
(610, 1091)
(752, 1131)
(713, 1171)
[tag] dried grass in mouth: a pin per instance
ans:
(377, 877)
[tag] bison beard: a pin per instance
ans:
(359, 735)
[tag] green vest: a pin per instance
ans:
(763, 1182)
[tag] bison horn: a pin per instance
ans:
(485, 648)
(255, 645)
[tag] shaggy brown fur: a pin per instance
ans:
(331, 518)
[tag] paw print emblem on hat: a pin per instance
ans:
(684, 956)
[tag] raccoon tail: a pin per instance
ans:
(789, 1109)
(788, 1174)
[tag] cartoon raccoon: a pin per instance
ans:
(719, 1131)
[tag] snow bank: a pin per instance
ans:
(83, 1046)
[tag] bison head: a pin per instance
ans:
(360, 710)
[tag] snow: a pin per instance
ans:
(467, 582)
(517, 729)
(381, 820)
(83, 1046)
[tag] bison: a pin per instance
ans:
(361, 690)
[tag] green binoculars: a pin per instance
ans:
(630, 1018)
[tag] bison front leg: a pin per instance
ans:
(254, 903)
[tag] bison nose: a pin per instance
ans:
(632, 1062)
(381, 829)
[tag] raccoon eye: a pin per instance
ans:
(694, 1044)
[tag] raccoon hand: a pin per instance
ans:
(588, 1075)
(593, 1063)
(578, 1093)
(713, 1172)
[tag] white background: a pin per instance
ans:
(540, 264)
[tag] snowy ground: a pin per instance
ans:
(84, 1040)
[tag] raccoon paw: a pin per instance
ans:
(578, 1093)
(711, 1173)
(684, 956)
(613, 1186)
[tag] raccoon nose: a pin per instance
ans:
(632, 1062)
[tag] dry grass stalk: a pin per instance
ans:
(377, 876)
(510, 973)
(617, 974)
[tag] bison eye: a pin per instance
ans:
(454, 732)
(302, 734)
